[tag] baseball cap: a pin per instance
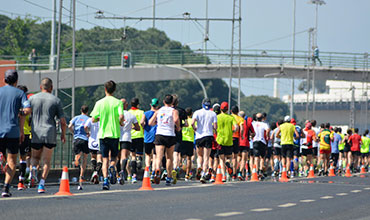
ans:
(206, 103)
(154, 102)
(287, 118)
(11, 76)
(293, 121)
(216, 104)
(308, 125)
(224, 105)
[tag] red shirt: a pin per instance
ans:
(355, 141)
(248, 129)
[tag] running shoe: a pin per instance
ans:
(121, 178)
(164, 175)
(106, 184)
(95, 178)
(213, 179)
(129, 178)
(202, 179)
(6, 193)
(240, 177)
(321, 172)
(79, 187)
(112, 175)
(139, 162)
(229, 168)
(168, 181)
(152, 177)
(233, 178)
(32, 182)
(157, 176)
(191, 174)
(198, 174)
(21, 185)
(209, 174)
(187, 178)
(174, 176)
(41, 189)
(134, 180)
(223, 178)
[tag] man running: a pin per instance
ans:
(365, 149)
(355, 153)
(306, 146)
(92, 129)
(276, 143)
(166, 119)
(335, 140)
(45, 108)
(204, 123)
(260, 143)
(246, 134)
(109, 112)
(80, 143)
(188, 142)
(325, 150)
(12, 102)
(236, 137)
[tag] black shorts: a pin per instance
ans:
(287, 150)
(251, 152)
(138, 145)
(214, 153)
(296, 151)
(94, 152)
(236, 148)
(226, 150)
(205, 142)
(347, 149)
(25, 147)
(126, 145)
(259, 149)
(148, 148)
(269, 152)
(38, 146)
(364, 155)
(187, 148)
(178, 146)
(80, 145)
(10, 144)
(244, 149)
(334, 157)
(356, 153)
(315, 151)
(341, 151)
(277, 151)
(306, 152)
(167, 141)
(109, 144)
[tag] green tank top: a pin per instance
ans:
(139, 115)
(188, 132)
(341, 146)
(365, 145)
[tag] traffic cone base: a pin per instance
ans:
(146, 181)
(64, 184)
(254, 177)
(348, 172)
(311, 173)
(219, 176)
(284, 177)
(331, 170)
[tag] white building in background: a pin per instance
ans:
(334, 106)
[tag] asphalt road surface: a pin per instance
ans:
(321, 198)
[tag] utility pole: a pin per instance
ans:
(293, 53)
(73, 57)
(206, 34)
(52, 40)
(58, 46)
(309, 60)
(352, 108)
(154, 13)
(240, 52)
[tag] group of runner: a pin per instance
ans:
(170, 137)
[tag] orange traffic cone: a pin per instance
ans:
(64, 184)
(348, 172)
(284, 177)
(146, 181)
(218, 176)
(331, 170)
(254, 177)
(311, 174)
(362, 171)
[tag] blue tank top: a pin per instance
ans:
(149, 131)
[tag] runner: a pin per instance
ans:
(92, 129)
(342, 157)
(204, 123)
(80, 143)
(294, 168)
(347, 149)
(306, 146)
(260, 143)
(149, 135)
(365, 149)
(325, 151)
(12, 102)
(45, 107)
(335, 140)
(166, 118)
(225, 125)
(276, 143)
(137, 139)
(188, 142)
(126, 146)
(214, 156)
(236, 137)
(315, 144)
(247, 133)
(355, 153)
(109, 112)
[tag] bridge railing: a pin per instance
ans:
(221, 57)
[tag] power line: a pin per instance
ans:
(23, 15)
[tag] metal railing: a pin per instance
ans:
(183, 57)
(63, 153)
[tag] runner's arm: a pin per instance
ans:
(22, 119)
(63, 125)
(153, 120)
(136, 127)
(121, 119)
(193, 124)
(176, 119)
(142, 122)
(278, 133)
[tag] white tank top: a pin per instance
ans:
(165, 123)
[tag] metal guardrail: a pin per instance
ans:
(63, 153)
(222, 57)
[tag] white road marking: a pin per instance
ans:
(367, 188)
(261, 210)
(287, 205)
(227, 214)
(342, 194)
(193, 219)
(307, 200)
(356, 191)
(326, 197)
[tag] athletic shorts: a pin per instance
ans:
(296, 151)
(187, 148)
(178, 146)
(109, 144)
(287, 150)
(38, 146)
(364, 155)
(10, 144)
(341, 151)
(244, 149)
(126, 145)
(347, 149)
(214, 153)
(356, 153)
(276, 151)
(226, 150)
(259, 149)
(148, 147)
(334, 157)
(80, 145)
(138, 145)
(94, 152)
(306, 152)
(269, 152)
(167, 141)
(205, 142)
(315, 151)
(325, 151)
(251, 152)
(236, 148)
(25, 147)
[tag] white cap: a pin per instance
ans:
(287, 118)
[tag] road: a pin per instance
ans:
(321, 198)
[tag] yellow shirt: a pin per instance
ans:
(287, 132)
(239, 121)
(27, 125)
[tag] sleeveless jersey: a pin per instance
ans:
(165, 123)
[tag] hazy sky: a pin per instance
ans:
(344, 26)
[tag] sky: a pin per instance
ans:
(343, 26)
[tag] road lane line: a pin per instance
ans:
(307, 200)
(193, 219)
(342, 194)
(356, 191)
(287, 205)
(367, 188)
(228, 214)
(326, 197)
(261, 210)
